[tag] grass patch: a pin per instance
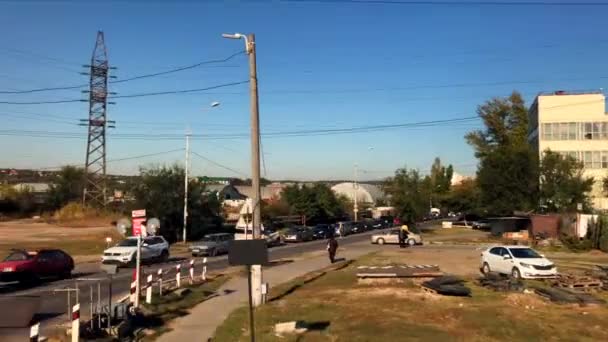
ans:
(397, 312)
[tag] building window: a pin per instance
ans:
(604, 159)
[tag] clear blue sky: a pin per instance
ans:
(346, 59)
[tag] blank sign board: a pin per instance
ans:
(247, 252)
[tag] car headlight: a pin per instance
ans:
(523, 264)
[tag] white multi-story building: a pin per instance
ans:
(574, 124)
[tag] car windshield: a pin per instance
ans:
(18, 256)
(524, 253)
(208, 239)
(128, 243)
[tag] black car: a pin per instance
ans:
(322, 231)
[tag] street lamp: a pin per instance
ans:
(187, 172)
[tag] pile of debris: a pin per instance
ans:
(499, 282)
(568, 296)
(576, 282)
(399, 271)
(447, 286)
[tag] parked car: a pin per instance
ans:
(467, 220)
(387, 221)
(358, 227)
(322, 231)
(344, 228)
(517, 261)
(153, 248)
(392, 237)
(481, 224)
(298, 234)
(31, 266)
(211, 245)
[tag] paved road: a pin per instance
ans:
(54, 304)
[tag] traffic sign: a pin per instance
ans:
(138, 213)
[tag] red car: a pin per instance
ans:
(27, 266)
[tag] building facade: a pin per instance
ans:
(574, 124)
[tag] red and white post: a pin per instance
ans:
(204, 275)
(133, 291)
(160, 281)
(178, 276)
(34, 332)
(191, 272)
(76, 323)
(149, 289)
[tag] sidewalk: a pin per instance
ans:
(204, 318)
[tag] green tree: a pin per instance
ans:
(409, 193)
(161, 192)
(562, 184)
(463, 197)
(317, 203)
(508, 170)
(66, 187)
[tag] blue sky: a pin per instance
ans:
(319, 66)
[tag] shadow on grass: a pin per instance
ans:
(317, 326)
(309, 279)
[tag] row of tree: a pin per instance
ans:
(510, 177)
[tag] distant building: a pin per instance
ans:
(39, 190)
(366, 193)
(227, 194)
(573, 124)
(216, 180)
(458, 178)
(269, 192)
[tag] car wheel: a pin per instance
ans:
(164, 255)
(30, 279)
(411, 242)
(380, 241)
(66, 275)
(515, 274)
(486, 268)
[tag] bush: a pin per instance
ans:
(575, 244)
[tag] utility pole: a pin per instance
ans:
(186, 181)
(256, 270)
(355, 188)
(250, 49)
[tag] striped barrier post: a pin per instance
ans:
(204, 275)
(191, 271)
(178, 276)
(160, 281)
(76, 323)
(149, 290)
(34, 332)
(133, 290)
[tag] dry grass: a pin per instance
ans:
(81, 243)
(402, 311)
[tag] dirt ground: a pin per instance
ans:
(339, 307)
(81, 243)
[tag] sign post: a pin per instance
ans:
(139, 219)
(248, 253)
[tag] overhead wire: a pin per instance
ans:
(218, 164)
(116, 160)
(174, 70)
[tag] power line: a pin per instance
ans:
(181, 91)
(115, 160)
(457, 3)
(196, 65)
(218, 164)
(37, 118)
(184, 91)
(178, 69)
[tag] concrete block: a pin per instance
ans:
(293, 327)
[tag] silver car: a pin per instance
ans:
(211, 245)
(392, 237)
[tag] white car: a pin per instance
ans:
(517, 261)
(124, 253)
(392, 236)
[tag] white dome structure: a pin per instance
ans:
(366, 193)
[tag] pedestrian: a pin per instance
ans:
(403, 235)
(332, 248)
